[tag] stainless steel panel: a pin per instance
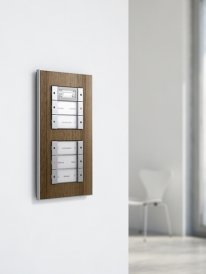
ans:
(67, 108)
(80, 94)
(64, 93)
(64, 108)
(80, 161)
(54, 92)
(80, 108)
(64, 147)
(80, 122)
(64, 161)
(80, 147)
(67, 122)
(80, 175)
(64, 121)
(64, 176)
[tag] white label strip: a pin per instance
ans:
(64, 93)
(64, 176)
(64, 147)
(64, 121)
(65, 108)
(67, 122)
(68, 161)
(67, 94)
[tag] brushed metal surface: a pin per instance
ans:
(80, 94)
(80, 147)
(64, 147)
(64, 161)
(80, 122)
(80, 161)
(64, 176)
(64, 93)
(67, 147)
(80, 108)
(64, 121)
(67, 122)
(65, 108)
(80, 175)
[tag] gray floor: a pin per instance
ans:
(164, 255)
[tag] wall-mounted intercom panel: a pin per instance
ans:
(64, 134)
(67, 161)
(67, 108)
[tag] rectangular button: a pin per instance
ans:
(66, 108)
(64, 121)
(67, 122)
(80, 122)
(80, 147)
(64, 93)
(64, 147)
(64, 176)
(80, 94)
(80, 108)
(67, 94)
(64, 161)
(80, 161)
(80, 175)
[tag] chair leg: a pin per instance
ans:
(168, 219)
(145, 221)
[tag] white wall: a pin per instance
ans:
(159, 82)
(82, 235)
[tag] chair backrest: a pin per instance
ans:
(155, 182)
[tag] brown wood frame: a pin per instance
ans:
(45, 188)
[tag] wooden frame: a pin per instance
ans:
(45, 134)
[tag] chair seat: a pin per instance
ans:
(133, 202)
(146, 202)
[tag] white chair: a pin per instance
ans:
(155, 183)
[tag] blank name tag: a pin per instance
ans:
(64, 176)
